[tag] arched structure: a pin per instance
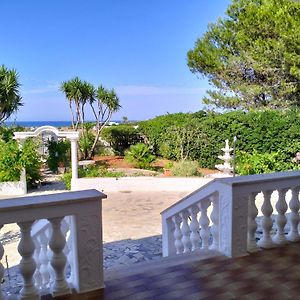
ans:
(73, 136)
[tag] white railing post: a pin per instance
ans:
(294, 218)
(185, 229)
(177, 234)
(58, 260)
(168, 247)
(266, 222)
(2, 270)
(204, 223)
(281, 207)
(194, 226)
(237, 220)
(252, 224)
(87, 248)
(215, 222)
(27, 265)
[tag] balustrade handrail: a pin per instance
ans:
(85, 209)
(233, 199)
(254, 182)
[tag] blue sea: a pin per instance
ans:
(35, 124)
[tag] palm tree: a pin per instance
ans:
(107, 102)
(10, 99)
(66, 87)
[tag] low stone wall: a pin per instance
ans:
(14, 188)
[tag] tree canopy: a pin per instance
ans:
(251, 57)
(10, 99)
(102, 102)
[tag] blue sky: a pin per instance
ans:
(137, 47)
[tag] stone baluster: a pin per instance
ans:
(294, 218)
(177, 234)
(37, 275)
(252, 225)
(266, 223)
(2, 270)
(281, 207)
(215, 223)
(44, 260)
(27, 264)
(204, 223)
(185, 230)
(194, 226)
(65, 228)
(58, 260)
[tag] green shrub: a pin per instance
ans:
(10, 161)
(59, 154)
(258, 163)
(264, 131)
(121, 137)
(13, 159)
(185, 168)
(86, 140)
(90, 171)
(141, 155)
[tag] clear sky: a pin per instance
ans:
(137, 47)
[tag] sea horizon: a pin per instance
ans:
(45, 123)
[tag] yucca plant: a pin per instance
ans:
(141, 155)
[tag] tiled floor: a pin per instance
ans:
(269, 274)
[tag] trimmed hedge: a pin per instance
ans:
(268, 131)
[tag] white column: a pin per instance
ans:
(177, 234)
(74, 162)
(185, 230)
(294, 218)
(194, 226)
(204, 223)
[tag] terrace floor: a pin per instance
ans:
(269, 274)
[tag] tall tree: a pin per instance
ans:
(103, 106)
(10, 99)
(251, 57)
(102, 102)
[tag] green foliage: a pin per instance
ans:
(121, 137)
(13, 159)
(264, 131)
(185, 168)
(10, 99)
(154, 130)
(257, 163)
(30, 160)
(59, 154)
(251, 57)
(102, 102)
(10, 161)
(90, 171)
(141, 155)
(86, 140)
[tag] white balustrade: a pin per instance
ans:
(215, 223)
(177, 234)
(252, 225)
(238, 204)
(294, 219)
(194, 226)
(266, 222)
(204, 223)
(44, 243)
(2, 270)
(281, 207)
(185, 230)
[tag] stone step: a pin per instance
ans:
(119, 272)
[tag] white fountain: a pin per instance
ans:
(225, 168)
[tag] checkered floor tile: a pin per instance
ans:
(269, 274)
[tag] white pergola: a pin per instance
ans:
(73, 136)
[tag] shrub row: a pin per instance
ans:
(200, 136)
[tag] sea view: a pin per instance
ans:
(35, 124)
